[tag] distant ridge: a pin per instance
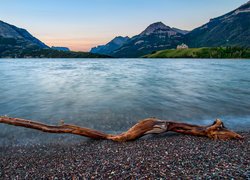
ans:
(114, 44)
(60, 48)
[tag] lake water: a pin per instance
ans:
(113, 94)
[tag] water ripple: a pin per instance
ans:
(112, 94)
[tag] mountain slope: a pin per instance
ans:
(214, 52)
(231, 29)
(155, 37)
(19, 43)
(19, 34)
(14, 40)
(107, 49)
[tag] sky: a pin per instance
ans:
(82, 24)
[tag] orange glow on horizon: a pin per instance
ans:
(84, 45)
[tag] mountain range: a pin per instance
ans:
(231, 29)
(19, 43)
(155, 37)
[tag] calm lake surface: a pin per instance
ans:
(113, 94)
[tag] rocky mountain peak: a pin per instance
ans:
(154, 27)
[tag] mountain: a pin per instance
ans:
(158, 26)
(155, 37)
(20, 35)
(60, 48)
(107, 49)
(14, 40)
(231, 29)
(19, 43)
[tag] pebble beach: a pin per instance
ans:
(168, 156)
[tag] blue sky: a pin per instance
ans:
(82, 24)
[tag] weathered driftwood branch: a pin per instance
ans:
(144, 127)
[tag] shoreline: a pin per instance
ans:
(155, 157)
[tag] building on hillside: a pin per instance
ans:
(182, 46)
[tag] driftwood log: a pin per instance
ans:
(147, 126)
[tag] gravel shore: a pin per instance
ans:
(170, 156)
